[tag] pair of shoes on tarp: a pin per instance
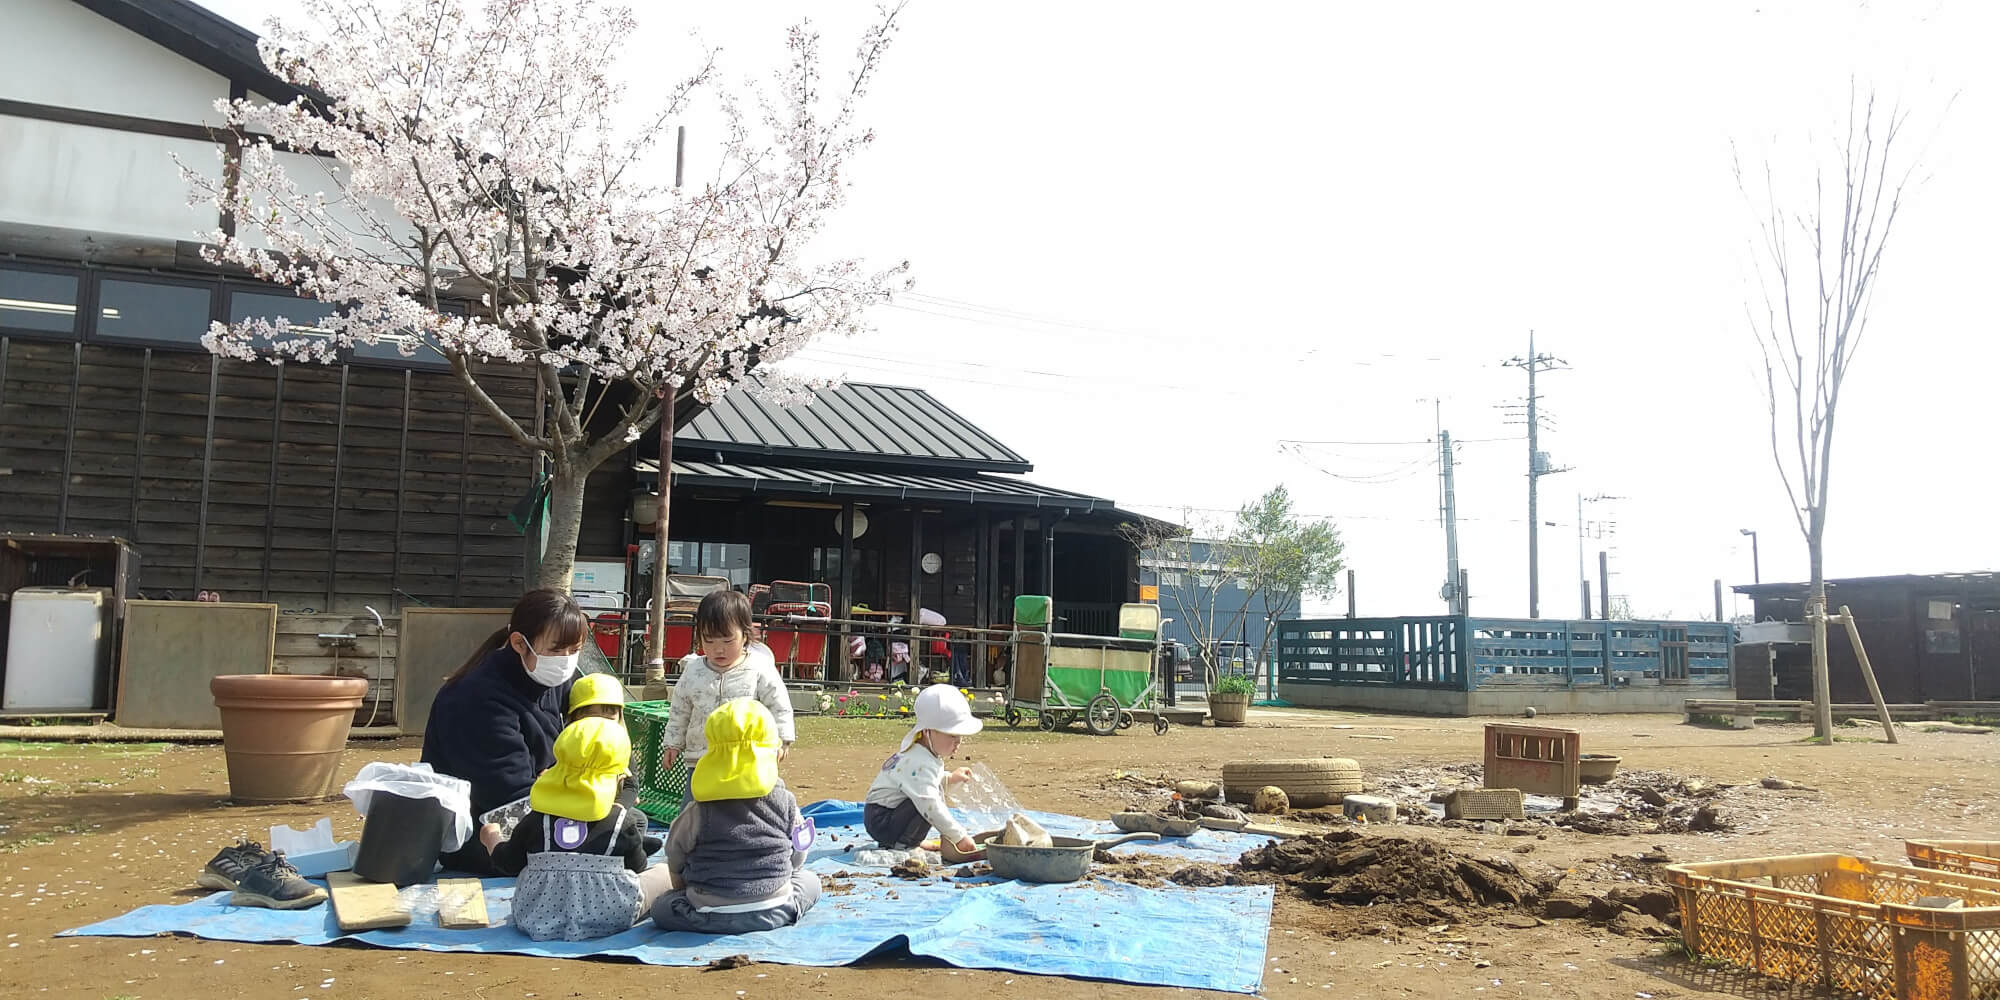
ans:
(258, 877)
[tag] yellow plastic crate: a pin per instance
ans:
(1966, 857)
(1845, 923)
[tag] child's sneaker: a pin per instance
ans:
(274, 883)
(230, 865)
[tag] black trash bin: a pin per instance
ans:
(400, 838)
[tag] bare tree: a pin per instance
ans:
(1267, 551)
(1816, 264)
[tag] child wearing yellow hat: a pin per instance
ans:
(737, 851)
(591, 695)
(597, 695)
(579, 852)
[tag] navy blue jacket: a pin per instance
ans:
(496, 728)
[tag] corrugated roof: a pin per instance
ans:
(974, 488)
(1912, 580)
(855, 421)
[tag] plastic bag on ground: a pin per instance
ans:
(417, 781)
(1024, 832)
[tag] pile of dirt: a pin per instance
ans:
(1383, 886)
(1346, 867)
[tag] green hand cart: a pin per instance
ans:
(1102, 680)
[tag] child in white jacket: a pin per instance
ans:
(907, 799)
(729, 666)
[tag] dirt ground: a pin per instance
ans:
(90, 831)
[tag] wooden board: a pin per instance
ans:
(461, 904)
(365, 906)
(172, 648)
(433, 643)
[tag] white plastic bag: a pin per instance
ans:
(417, 781)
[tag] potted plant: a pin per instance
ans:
(1229, 702)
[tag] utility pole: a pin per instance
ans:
(1453, 593)
(1582, 574)
(1538, 466)
(1604, 584)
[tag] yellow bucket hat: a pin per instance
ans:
(591, 755)
(742, 757)
(595, 689)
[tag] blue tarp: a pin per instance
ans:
(1098, 929)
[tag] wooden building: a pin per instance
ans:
(1929, 638)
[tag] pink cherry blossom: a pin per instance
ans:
(472, 187)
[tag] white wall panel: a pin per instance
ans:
(56, 52)
(101, 180)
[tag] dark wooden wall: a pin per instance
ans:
(324, 487)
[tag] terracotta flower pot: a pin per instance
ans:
(282, 734)
(1228, 709)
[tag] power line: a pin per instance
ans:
(1394, 444)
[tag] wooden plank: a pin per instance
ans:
(461, 904)
(364, 906)
(172, 649)
(434, 642)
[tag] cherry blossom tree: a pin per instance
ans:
(466, 178)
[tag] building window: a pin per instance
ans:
(730, 560)
(304, 315)
(38, 302)
(867, 573)
(390, 350)
(152, 311)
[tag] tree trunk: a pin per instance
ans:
(558, 563)
(1816, 616)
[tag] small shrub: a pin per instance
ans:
(1236, 685)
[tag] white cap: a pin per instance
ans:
(942, 708)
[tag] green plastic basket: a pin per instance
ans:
(662, 789)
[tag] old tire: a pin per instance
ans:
(1309, 783)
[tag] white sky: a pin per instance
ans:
(1153, 242)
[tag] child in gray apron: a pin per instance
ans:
(580, 853)
(569, 895)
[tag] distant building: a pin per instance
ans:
(1192, 575)
(1929, 638)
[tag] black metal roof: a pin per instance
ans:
(857, 421)
(1982, 578)
(200, 35)
(856, 484)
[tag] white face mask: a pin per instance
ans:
(551, 670)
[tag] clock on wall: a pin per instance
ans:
(933, 562)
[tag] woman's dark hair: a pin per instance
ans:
(538, 614)
(721, 613)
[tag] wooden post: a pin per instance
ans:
(1350, 593)
(1867, 674)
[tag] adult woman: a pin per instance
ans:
(496, 718)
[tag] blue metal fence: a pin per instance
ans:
(1464, 654)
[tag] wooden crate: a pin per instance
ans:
(1845, 924)
(1537, 760)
